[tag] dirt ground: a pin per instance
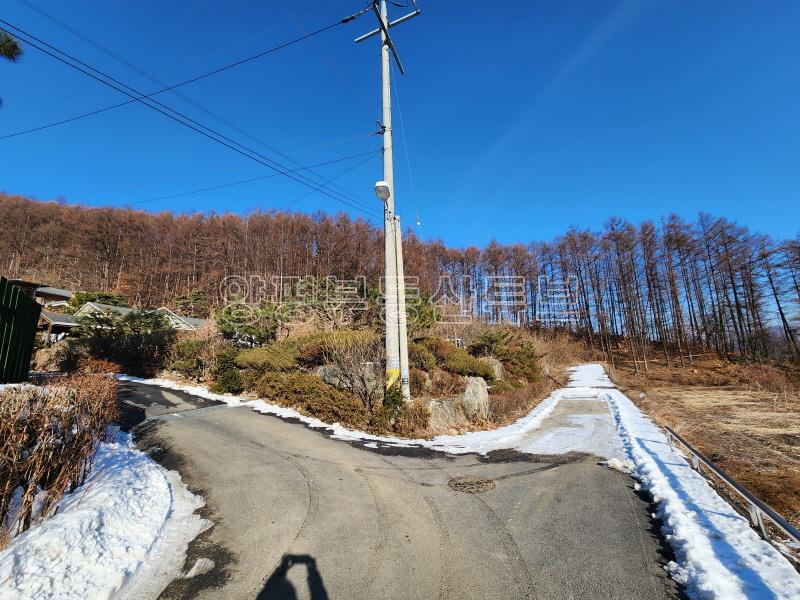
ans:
(749, 428)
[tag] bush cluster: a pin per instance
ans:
(48, 438)
(227, 378)
(312, 396)
(456, 360)
(187, 358)
(419, 357)
(138, 343)
(514, 349)
(277, 356)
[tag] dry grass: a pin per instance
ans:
(745, 419)
(48, 438)
(509, 406)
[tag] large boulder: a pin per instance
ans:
(498, 372)
(445, 413)
(472, 404)
(475, 399)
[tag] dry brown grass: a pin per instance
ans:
(744, 418)
(48, 438)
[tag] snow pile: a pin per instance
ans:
(123, 533)
(718, 554)
(589, 376)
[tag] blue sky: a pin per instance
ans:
(522, 118)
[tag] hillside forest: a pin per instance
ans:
(669, 290)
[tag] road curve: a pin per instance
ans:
(299, 515)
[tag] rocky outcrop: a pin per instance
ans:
(475, 399)
(472, 404)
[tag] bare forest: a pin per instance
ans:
(668, 291)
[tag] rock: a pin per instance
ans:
(475, 399)
(497, 367)
(472, 404)
(331, 375)
(445, 413)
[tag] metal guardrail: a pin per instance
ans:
(756, 508)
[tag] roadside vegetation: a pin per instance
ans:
(337, 375)
(48, 437)
(744, 417)
(315, 361)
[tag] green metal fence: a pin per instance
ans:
(19, 316)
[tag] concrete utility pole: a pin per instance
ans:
(395, 293)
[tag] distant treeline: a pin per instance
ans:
(677, 287)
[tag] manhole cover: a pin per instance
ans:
(471, 485)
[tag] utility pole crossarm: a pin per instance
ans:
(394, 23)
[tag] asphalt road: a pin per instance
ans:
(299, 515)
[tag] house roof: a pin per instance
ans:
(177, 320)
(52, 291)
(190, 322)
(106, 308)
(59, 318)
(194, 321)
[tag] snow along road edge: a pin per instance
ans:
(718, 554)
(123, 534)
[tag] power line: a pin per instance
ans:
(335, 143)
(173, 88)
(181, 118)
(243, 181)
(141, 72)
(405, 149)
(354, 167)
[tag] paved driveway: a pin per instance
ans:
(298, 515)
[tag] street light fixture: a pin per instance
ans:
(382, 190)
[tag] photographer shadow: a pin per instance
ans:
(278, 586)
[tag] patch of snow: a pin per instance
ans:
(623, 466)
(123, 534)
(589, 375)
(200, 566)
(718, 554)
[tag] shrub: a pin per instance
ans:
(277, 356)
(514, 349)
(358, 358)
(440, 348)
(187, 359)
(48, 438)
(228, 382)
(419, 357)
(491, 343)
(312, 348)
(97, 366)
(311, 352)
(412, 420)
(420, 384)
(501, 387)
(444, 383)
(247, 324)
(461, 362)
(139, 342)
(227, 378)
(312, 396)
